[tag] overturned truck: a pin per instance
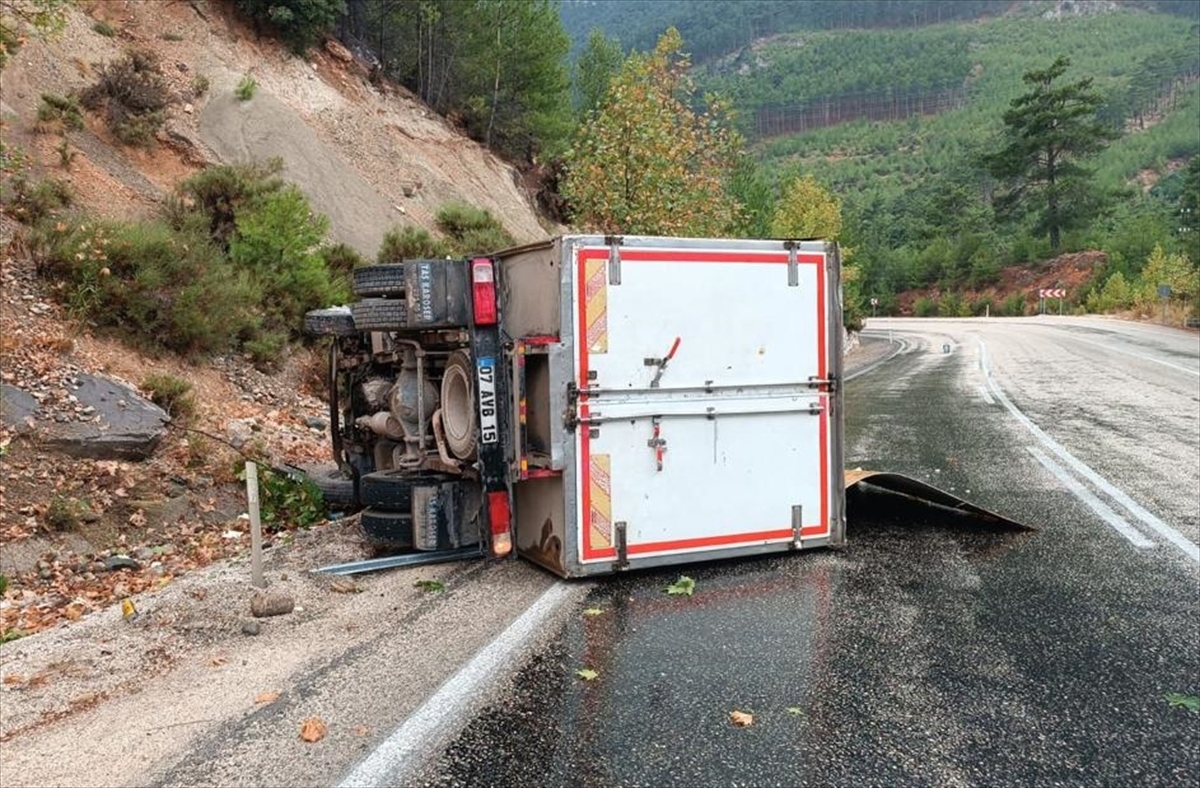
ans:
(595, 403)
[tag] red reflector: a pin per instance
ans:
(483, 291)
(498, 513)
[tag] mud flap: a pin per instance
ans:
(928, 494)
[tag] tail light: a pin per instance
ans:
(499, 517)
(483, 290)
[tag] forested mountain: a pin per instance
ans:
(713, 28)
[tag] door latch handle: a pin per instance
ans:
(657, 442)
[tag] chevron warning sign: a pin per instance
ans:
(1052, 292)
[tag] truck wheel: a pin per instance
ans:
(384, 279)
(459, 418)
(336, 489)
(335, 322)
(386, 530)
(389, 489)
(380, 314)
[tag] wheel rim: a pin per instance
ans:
(458, 408)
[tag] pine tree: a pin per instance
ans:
(1049, 131)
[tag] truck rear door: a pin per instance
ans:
(706, 413)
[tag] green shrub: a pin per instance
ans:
(158, 287)
(925, 307)
(245, 88)
(31, 204)
(3, 584)
(276, 242)
(200, 85)
(172, 394)
(214, 197)
(133, 94)
(266, 347)
(284, 500)
(171, 37)
(484, 241)
(1013, 305)
(984, 305)
(341, 258)
(400, 243)
(60, 109)
(104, 29)
(471, 229)
(300, 23)
(952, 304)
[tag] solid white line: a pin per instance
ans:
(1133, 507)
(983, 392)
(1135, 355)
(396, 759)
(1098, 506)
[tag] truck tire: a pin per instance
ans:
(384, 279)
(386, 489)
(380, 314)
(334, 322)
(386, 530)
(336, 490)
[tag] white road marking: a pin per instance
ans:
(1135, 355)
(397, 758)
(1185, 545)
(1098, 506)
(983, 392)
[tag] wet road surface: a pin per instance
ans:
(927, 651)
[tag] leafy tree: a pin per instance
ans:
(647, 162)
(1115, 294)
(1049, 131)
(300, 23)
(1172, 270)
(599, 62)
(17, 17)
(807, 210)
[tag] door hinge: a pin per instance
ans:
(614, 258)
(622, 545)
(797, 524)
(793, 263)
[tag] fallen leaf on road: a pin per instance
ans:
(587, 674)
(344, 586)
(217, 662)
(795, 710)
(266, 697)
(593, 611)
(14, 678)
(684, 585)
(741, 719)
(362, 730)
(1189, 702)
(312, 729)
(429, 585)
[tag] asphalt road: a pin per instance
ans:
(927, 651)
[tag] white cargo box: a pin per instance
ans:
(678, 400)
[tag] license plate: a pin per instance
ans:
(488, 429)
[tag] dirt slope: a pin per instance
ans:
(368, 155)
